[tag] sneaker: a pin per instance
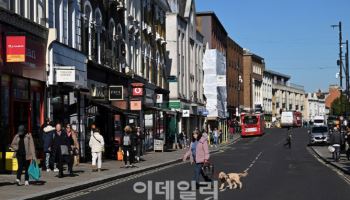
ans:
(18, 182)
(26, 183)
(48, 170)
(56, 170)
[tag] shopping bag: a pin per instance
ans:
(120, 155)
(34, 171)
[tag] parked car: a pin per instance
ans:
(319, 135)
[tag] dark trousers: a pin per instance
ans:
(139, 152)
(288, 143)
(125, 155)
(65, 159)
(22, 164)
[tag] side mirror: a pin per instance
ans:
(309, 132)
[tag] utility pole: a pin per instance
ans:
(347, 72)
(340, 63)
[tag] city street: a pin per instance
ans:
(275, 172)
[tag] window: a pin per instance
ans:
(250, 120)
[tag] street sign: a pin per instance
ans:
(116, 93)
(135, 105)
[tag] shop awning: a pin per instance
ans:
(113, 109)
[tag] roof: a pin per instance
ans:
(277, 74)
(212, 13)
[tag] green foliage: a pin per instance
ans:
(340, 106)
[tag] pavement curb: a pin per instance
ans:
(330, 162)
(84, 185)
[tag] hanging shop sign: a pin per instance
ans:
(65, 74)
(185, 113)
(159, 98)
(135, 105)
(115, 93)
(15, 48)
(137, 91)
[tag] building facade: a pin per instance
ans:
(286, 96)
(186, 50)
(253, 68)
(314, 106)
(234, 77)
(267, 95)
(23, 41)
(214, 66)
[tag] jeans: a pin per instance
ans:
(97, 156)
(216, 140)
(128, 150)
(47, 160)
(336, 153)
(198, 171)
(22, 163)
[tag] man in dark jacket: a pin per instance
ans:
(62, 150)
(336, 140)
(47, 136)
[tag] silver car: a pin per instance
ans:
(318, 135)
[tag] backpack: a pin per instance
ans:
(126, 140)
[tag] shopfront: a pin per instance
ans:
(22, 83)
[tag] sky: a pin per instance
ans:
(294, 36)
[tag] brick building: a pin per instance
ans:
(234, 79)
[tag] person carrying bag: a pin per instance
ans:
(24, 148)
(96, 144)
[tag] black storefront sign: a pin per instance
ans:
(115, 93)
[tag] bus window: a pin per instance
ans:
(250, 120)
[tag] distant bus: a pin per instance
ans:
(252, 124)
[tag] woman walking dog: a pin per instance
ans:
(199, 155)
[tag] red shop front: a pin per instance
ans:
(22, 86)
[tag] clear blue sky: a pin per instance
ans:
(294, 36)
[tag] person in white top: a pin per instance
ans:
(97, 147)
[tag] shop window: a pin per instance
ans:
(5, 101)
(20, 89)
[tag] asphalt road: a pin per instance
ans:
(275, 172)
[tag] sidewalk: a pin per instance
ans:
(325, 155)
(52, 186)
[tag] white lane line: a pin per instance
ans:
(253, 162)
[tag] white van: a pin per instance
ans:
(319, 121)
(287, 119)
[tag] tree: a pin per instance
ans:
(340, 106)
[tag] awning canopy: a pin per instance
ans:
(113, 109)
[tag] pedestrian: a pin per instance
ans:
(199, 154)
(140, 137)
(62, 150)
(347, 138)
(97, 147)
(289, 138)
(24, 148)
(336, 140)
(181, 138)
(73, 139)
(216, 136)
(220, 136)
(128, 147)
(47, 137)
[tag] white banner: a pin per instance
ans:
(65, 75)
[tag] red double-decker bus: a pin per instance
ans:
(252, 124)
(297, 119)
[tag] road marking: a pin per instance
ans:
(253, 162)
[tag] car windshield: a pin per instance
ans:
(250, 120)
(318, 121)
(320, 129)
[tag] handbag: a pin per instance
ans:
(64, 150)
(208, 170)
(34, 171)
